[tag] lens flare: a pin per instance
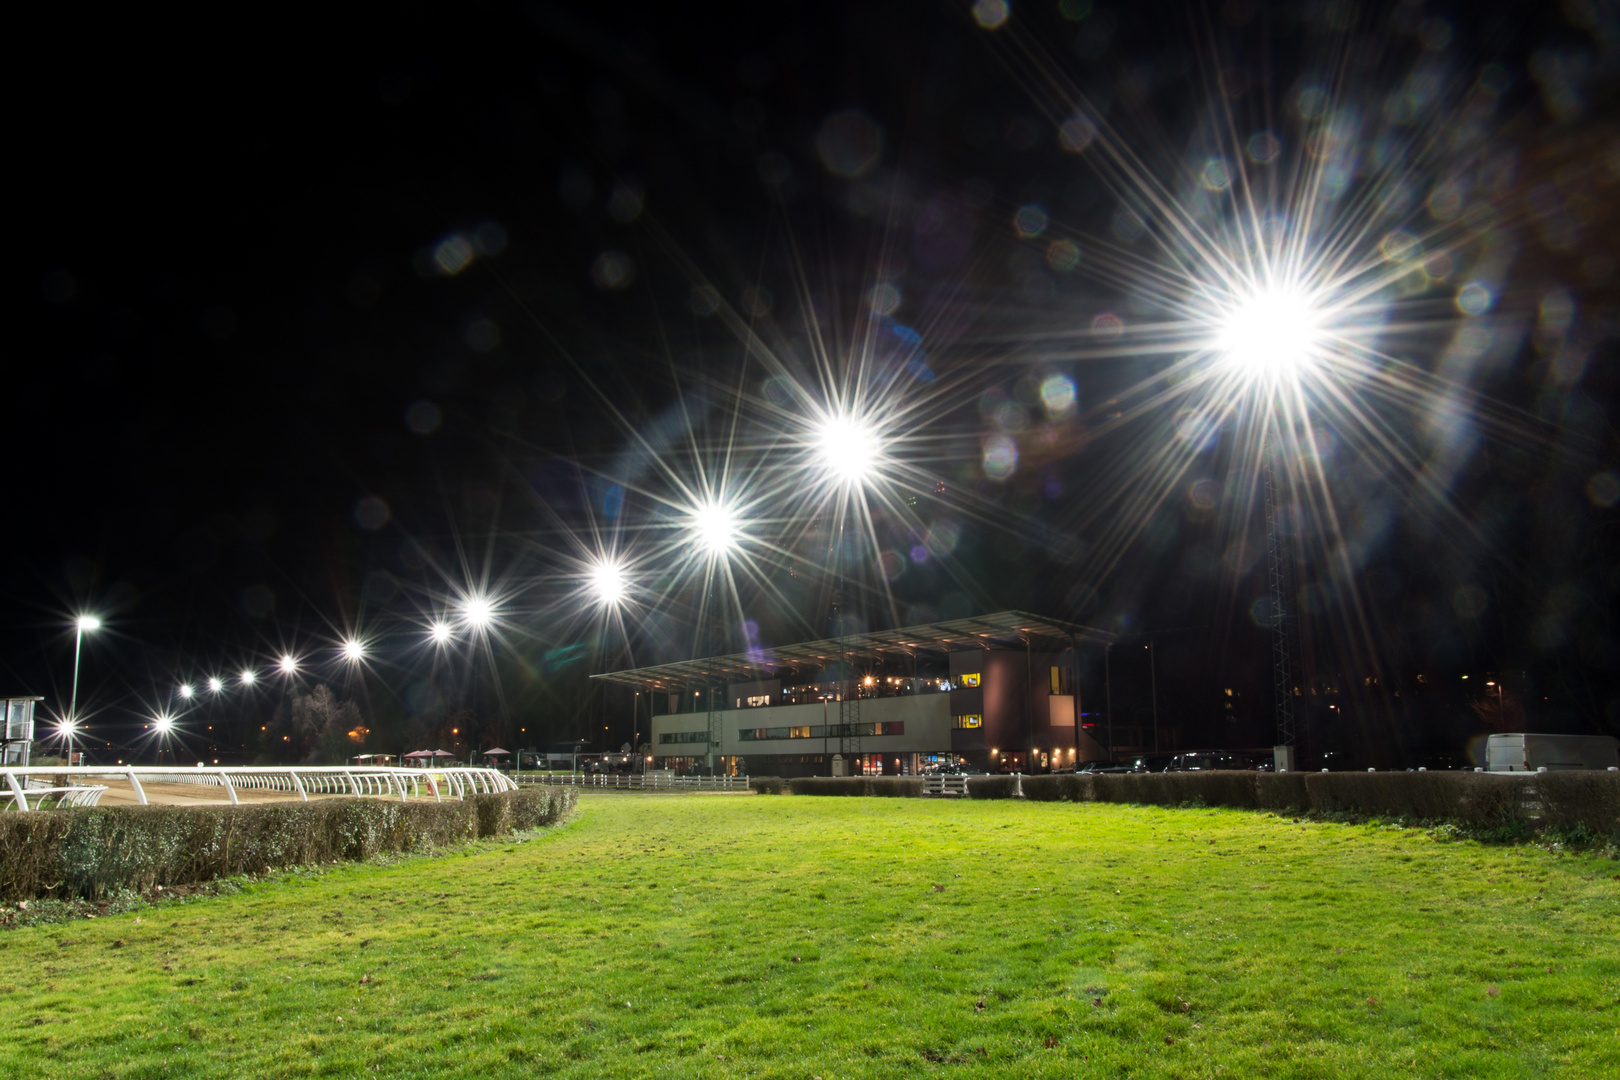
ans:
(714, 526)
(216, 684)
(608, 582)
(849, 449)
(478, 611)
(249, 676)
(163, 723)
(439, 633)
(354, 650)
(289, 665)
(1271, 333)
(187, 690)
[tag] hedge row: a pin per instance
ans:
(93, 851)
(1555, 800)
(899, 787)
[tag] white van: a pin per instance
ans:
(1527, 753)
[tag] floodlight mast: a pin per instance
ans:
(1278, 574)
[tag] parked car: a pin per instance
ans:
(1219, 761)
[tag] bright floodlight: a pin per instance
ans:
(186, 690)
(715, 527)
(216, 684)
(1270, 333)
(848, 449)
(249, 676)
(67, 729)
(479, 611)
(440, 633)
(354, 650)
(163, 722)
(288, 664)
(608, 582)
(87, 623)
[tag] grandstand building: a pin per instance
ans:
(997, 692)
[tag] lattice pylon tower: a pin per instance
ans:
(1279, 572)
(849, 708)
(712, 677)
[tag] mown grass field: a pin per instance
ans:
(717, 936)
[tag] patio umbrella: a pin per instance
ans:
(497, 752)
(420, 753)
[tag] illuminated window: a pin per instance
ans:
(970, 680)
(970, 720)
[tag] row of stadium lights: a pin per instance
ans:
(1268, 333)
(848, 450)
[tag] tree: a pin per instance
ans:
(1499, 710)
(328, 730)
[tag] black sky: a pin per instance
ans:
(229, 310)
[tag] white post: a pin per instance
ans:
(354, 789)
(229, 787)
(298, 785)
(17, 791)
(134, 782)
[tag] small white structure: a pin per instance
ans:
(1521, 752)
(17, 729)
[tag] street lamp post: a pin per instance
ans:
(82, 625)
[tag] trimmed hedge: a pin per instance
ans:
(993, 787)
(767, 785)
(901, 787)
(91, 851)
(1564, 801)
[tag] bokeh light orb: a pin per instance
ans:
(1270, 333)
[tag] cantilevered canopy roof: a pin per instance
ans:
(1004, 628)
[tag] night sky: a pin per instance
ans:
(331, 319)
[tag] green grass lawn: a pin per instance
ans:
(715, 935)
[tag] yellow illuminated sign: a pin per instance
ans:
(971, 720)
(971, 680)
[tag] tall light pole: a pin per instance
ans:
(1270, 335)
(84, 624)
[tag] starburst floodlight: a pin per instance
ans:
(1273, 332)
(714, 526)
(478, 611)
(87, 623)
(439, 633)
(608, 582)
(216, 684)
(67, 729)
(163, 723)
(848, 448)
(248, 676)
(187, 690)
(354, 650)
(288, 664)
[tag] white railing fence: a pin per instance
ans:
(656, 781)
(25, 782)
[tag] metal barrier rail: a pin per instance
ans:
(636, 781)
(304, 780)
(946, 785)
